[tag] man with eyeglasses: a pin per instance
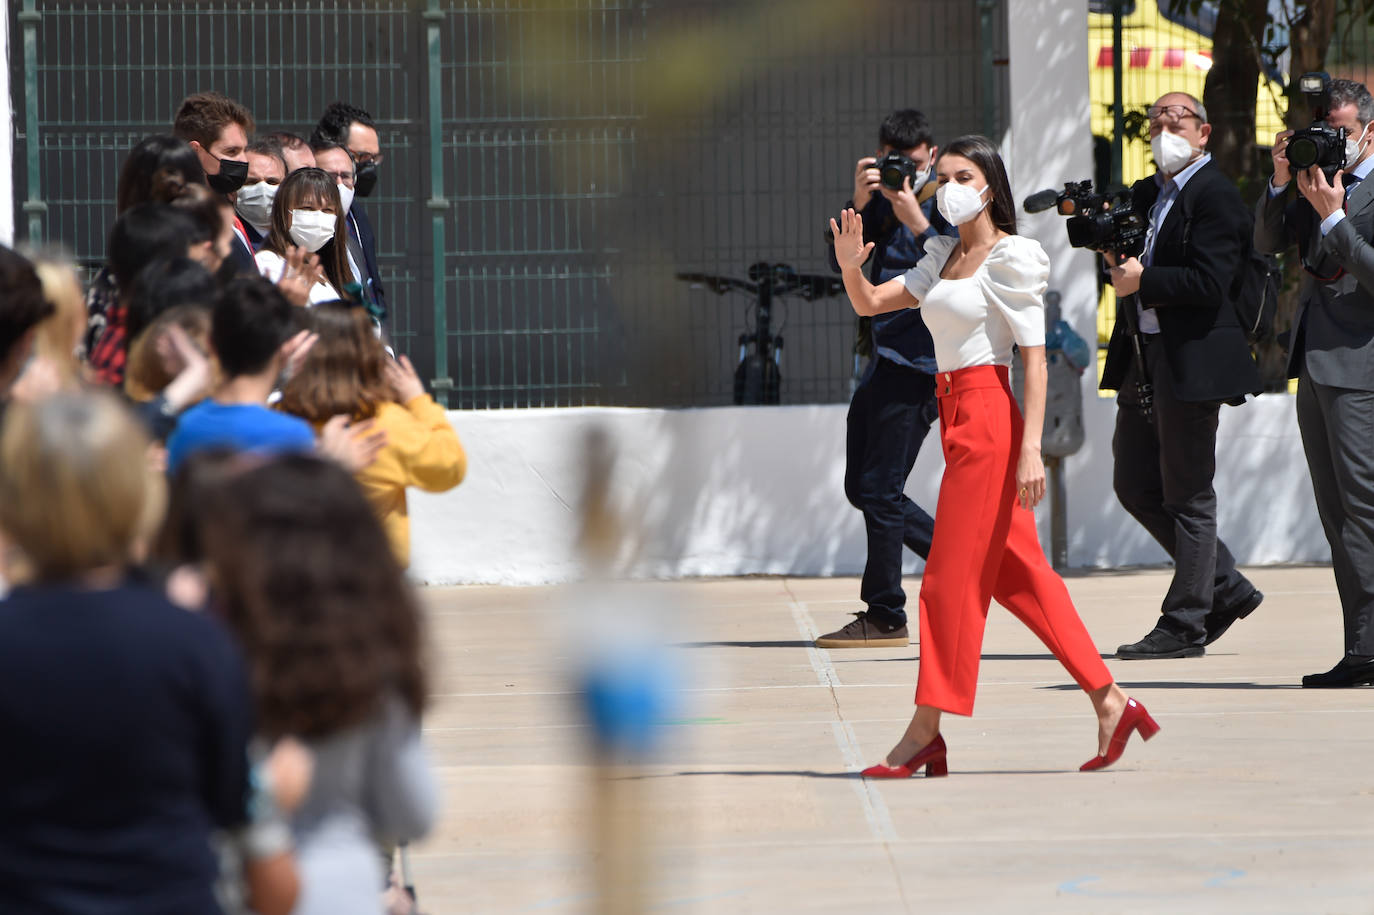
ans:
(1332, 355)
(1196, 357)
(351, 128)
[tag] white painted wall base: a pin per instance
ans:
(750, 490)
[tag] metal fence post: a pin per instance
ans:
(29, 17)
(442, 383)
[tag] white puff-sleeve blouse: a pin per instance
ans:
(975, 320)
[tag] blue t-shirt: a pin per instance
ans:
(242, 427)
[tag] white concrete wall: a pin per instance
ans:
(7, 127)
(745, 490)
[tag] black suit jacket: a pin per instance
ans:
(242, 258)
(367, 240)
(1198, 255)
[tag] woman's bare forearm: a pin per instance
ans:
(869, 300)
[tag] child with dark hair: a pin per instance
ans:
(140, 235)
(300, 568)
(159, 169)
(22, 307)
(254, 334)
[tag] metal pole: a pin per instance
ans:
(1118, 112)
(442, 384)
(985, 8)
(1059, 514)
(34, 206)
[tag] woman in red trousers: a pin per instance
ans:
(979, 294)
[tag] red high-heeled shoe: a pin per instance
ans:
(932, 756)
(1133, 718)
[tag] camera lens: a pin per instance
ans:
(1303, 152)
(892, 177)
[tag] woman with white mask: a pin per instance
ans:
(981, 293)
(307, 213)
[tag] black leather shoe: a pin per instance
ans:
(1159, 644)
(1220, 619)
(1352, 670)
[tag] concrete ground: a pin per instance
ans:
(1256, 796)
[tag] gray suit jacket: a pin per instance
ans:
(1333, 330)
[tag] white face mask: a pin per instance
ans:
(1172, 153)
(921, 179)
(345, 197)
(1353, 148)
(959, 203)
(312, 229)
(254, 204)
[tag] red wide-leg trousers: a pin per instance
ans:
(985, 546)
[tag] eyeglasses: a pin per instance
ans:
(1171, 112)
(345, 178)
(367, 158)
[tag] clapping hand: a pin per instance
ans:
(404, 380)
(300, 274)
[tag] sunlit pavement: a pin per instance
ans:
(1255, 796)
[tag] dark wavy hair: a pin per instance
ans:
(157, 170)
(336, 122)
(982, 152)
(302, 571)
(316, 187)
(345, 371)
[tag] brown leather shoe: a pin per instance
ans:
(864, 633)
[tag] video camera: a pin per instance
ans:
(894, 169)
(1100, 220)
(1320, 144)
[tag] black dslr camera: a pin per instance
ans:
(894, 169)
(1102, 221)
(1319, 144)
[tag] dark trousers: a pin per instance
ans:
(889, 416)
(1336, 425)
(1163, 476)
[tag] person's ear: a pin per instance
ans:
(1204, 132)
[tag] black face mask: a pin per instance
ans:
(365, 181)
(230, 178)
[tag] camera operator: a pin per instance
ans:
(894, 404)
(1196, 358)
(1332, 354)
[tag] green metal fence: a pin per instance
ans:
(550, 164)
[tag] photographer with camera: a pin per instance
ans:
(894, 403)
(1332, 349)
(1195, 359)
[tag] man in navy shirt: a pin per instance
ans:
(894, 404)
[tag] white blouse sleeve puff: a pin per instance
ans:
(920, 278)
(1014, 278)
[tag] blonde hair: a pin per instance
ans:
(76, 490)
(57, 336)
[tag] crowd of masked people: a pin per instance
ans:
(212, 667)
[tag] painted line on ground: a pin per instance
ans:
(874, 807)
